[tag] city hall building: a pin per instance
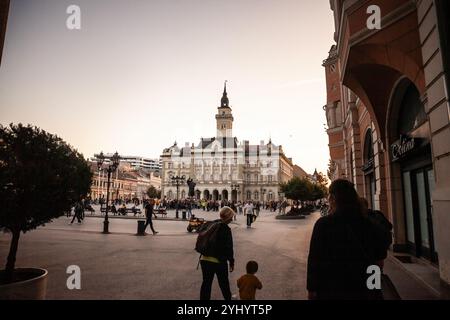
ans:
(224, 168)
(388, 119)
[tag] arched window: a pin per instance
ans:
(249, 195)
(412, 113)
(368, 151)
(256, 197)
(170, 194)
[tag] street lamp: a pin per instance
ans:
(177, 181)
(112, 167)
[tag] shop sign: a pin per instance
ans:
(402, 147)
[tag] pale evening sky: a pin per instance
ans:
(141, 74)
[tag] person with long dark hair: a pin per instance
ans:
(343, 245)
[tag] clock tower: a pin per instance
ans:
(224, 117)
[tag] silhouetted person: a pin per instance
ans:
(78, 212)
(148, 215)
(343, 245)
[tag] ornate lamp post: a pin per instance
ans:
(178, 181)
(112, 167)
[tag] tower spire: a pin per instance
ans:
(224, 102)
(224, 117)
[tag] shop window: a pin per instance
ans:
(412, 113)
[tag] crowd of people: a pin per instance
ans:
(347, 239)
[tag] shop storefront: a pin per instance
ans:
(412, 154)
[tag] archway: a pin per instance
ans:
(198, 194)
(411, 171)
(372, 72)
(225, 194)
(206, 195)
(215, 195)
(234, 195)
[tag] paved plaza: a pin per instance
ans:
(122, 265)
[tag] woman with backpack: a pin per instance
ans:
(215, 244)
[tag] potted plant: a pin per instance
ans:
(41, 177)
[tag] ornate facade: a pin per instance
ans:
(224, 168)
(388, 118)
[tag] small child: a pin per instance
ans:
(248, 283)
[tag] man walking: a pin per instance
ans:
(248, 211)
(78, 212)
(148, 215)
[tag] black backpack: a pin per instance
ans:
(383, 225)
(207, 238)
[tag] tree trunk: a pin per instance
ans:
(11, 262)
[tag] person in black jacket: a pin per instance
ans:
(148, 215)
(343, 244)
(223, 254)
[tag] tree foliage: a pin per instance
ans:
(303, 189)
(299, 189)
(41, 177)
(153, 193)
(331, 171)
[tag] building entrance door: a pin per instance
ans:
(418, 188)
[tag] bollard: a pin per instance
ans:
(141, 228)
(184, 215)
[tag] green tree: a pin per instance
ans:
(299, 189)
(41, 178)
(152, 192)
(331, 169)
(320, 189)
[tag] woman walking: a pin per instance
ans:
(343, 245)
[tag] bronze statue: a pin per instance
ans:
(190, 182)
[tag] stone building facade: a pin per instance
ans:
(127, 182)
(389, 120)
(224, 168)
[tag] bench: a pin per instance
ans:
(138, 211)
(161, 211)
(118, 211)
